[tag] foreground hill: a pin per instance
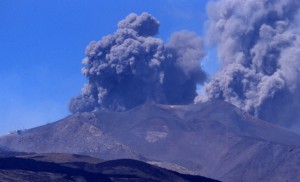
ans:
(65, 167)
(213, 139)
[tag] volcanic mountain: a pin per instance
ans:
(213, 139)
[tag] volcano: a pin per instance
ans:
(213, 139)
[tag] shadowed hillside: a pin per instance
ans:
(40, 167)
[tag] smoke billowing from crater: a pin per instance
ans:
(258, 43)
(130, 67)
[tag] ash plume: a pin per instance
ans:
(258, 44)
(131, 66)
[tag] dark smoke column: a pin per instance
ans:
(258, 43)
(131, 67)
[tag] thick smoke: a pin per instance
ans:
(258, 42)
(131, 66)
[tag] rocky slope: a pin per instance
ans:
(213, 139)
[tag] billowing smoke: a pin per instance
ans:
(258, 43)
(131, 67)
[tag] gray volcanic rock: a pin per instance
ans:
(213, 139)
(74, 134)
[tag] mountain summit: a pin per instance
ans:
(214, 139)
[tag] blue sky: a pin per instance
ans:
(43, 42)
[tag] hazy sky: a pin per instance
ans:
(43, 42)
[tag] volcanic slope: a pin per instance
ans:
(67, 167)
(214, 139)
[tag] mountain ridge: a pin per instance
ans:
(66, 167)
(212, 139)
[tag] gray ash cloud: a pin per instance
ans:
(258, 44)
(131, 66)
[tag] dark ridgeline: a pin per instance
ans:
(26, 169)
